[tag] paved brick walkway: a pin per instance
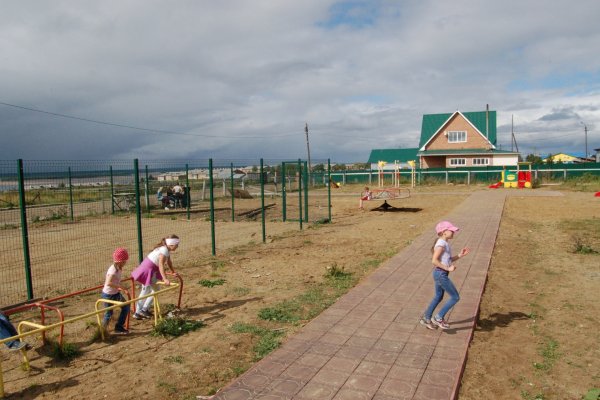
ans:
(369, 344)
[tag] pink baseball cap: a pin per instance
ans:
(445, 226)
(120, 255)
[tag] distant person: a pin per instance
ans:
(112, 291)
(8, 330)
(178, 193)
(443, 261)
(151, 270)
(164, 198)
(366, 195)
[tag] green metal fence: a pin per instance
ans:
(61, 220)
(466, 175)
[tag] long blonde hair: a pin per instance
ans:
(163, 241)
(435, 241)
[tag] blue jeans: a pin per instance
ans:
(124, 310)
(443, 284)
(7, 330)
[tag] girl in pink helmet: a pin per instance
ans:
(113, 288)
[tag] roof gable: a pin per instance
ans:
(432, 123)
(391, 155)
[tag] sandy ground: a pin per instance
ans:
(536, 335)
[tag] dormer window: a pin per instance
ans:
(457, 136)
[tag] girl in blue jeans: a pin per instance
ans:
(443, 261)
(112, 290)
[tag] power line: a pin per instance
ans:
(138, 128)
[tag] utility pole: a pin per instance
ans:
(308, 147)
(585, 129)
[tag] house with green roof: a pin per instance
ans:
(461, 140)
(392, 157)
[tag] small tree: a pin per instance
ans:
(549, 159)
(535, 160)
(318, 168)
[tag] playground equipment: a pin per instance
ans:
(515, 179)
(41, 329)
(386, 194)
(380, 178)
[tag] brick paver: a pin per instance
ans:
(369, 344)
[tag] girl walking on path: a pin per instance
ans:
(443, 261)
(113, 288)
(151, 270)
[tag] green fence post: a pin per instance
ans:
(187, 193)
(232, 196)
(283, 191)
(300, 192)
(112, 191)
(70, 193)
(262, 201)
(147, 187)
(138, 211)
(24, 231)
(306, 177)
(212, 206)
(329, 188)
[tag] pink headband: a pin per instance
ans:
(171, 241)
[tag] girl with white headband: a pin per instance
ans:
(151, 270)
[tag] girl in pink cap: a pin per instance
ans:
(443, 262)
(113, 288)
(151, 270)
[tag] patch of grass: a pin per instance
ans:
(266, 344)
(238, 369)
(334, 271)
(268, 340)
(339, 279)
(208, 283)
(592, 394)
(549, 353)
(176, 327)
(217, 265)
(168, 387)
(313, 301)
(528, 396)
(174, 359)
(582, 246)
(285, 311)
(68, 351)
(240, 291)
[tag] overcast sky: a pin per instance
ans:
(239, 79)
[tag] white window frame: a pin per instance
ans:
(457, 136)
(481, 161)
(457, 162)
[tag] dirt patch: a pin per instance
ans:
(537, 336)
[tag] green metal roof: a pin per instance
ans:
(391, 155)
(463, 152)
(433, 122)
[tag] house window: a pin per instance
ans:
(481, 161)
(457, 136)
(458, 161)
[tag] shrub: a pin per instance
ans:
(209, 283)
(176, 327)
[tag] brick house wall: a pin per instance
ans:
(474, 139)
